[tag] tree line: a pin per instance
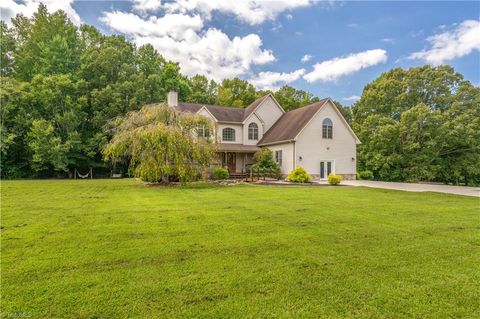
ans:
(421, 124)
(61, 84)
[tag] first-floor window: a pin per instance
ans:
(228, 134)
(278, 157)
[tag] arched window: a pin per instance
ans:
(253, 131)
(228, 134)
(327, 128)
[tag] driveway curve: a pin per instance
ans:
(413, 187)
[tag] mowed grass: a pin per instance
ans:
(118, 249)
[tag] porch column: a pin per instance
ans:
(244, 162)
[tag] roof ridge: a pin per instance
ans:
(309, 105)
(214, 105)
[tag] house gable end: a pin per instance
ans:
(250, 113)
(205, 112)
(329, 103)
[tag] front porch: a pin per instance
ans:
(237, 158)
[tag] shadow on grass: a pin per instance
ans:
(175, 185)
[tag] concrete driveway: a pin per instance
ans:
(412, 187)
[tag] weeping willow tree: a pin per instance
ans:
(162, 144)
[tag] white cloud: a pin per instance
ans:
(182, 38)
(9, 9)
(306, 58)
(352, 98)
(174, 25)
(276, 27)
(180, 35)
(387, 40)
(146, 5)
(251, 12)
(352, 25)
(270, 80)
(460, 41)
(331, 70)
(212, 54)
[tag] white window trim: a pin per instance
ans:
(254, 138)
(333, 168)
(234, 134)
(279, 152)
(327, 129)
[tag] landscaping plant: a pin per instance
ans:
(334, 179)
(367, 175)
(220, 173)
(265, 165)
(299, 175)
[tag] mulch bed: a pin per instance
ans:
(277, 183)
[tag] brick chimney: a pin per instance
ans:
(172, 99)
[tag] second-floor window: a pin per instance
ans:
(228, 134)
(203, 131)
(253, 131)
(327, 128)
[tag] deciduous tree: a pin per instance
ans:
(162, 144)
(420, 124)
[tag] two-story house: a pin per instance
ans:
(315, 137)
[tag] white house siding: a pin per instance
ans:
(269, 112)
(312, 148)
(287, 156)
(252, 119)
(238, 133)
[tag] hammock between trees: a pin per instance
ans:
(83, 176)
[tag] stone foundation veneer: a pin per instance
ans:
(316, 177)
(348, 177)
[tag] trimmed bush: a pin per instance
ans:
(264, 165)
(334, 179)
(220, 173)
(368, 175)
(299, 175)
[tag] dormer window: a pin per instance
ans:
(253, 131)
(327, 128)
(228, 134)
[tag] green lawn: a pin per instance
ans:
(117, 249)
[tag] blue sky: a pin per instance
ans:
(348, 44)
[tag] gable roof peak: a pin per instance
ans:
(255, 104)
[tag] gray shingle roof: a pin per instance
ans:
(222, 113)
(224, 147)
(290, 124)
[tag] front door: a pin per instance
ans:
(326, 167)
(230, 161)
